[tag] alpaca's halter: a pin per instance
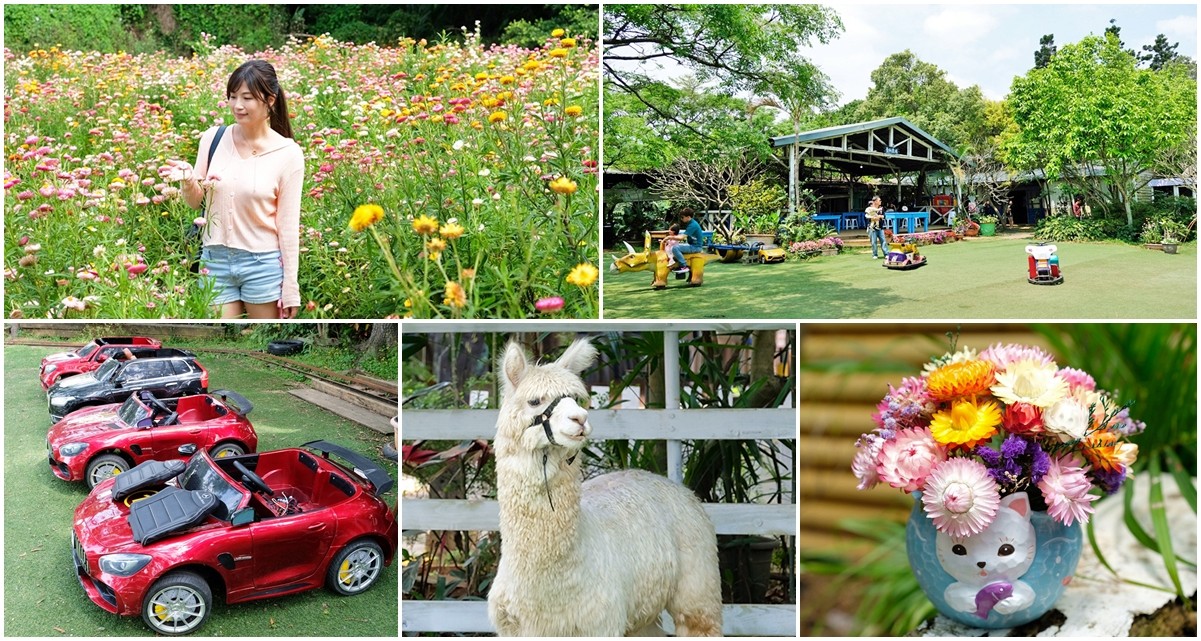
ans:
(543, 419)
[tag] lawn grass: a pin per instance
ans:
(42, 596)
(976, 278)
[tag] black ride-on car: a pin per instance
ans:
(165, 372)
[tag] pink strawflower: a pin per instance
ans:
(908, 459)
(550, 304)
(906, 406)
(866, 458)
(1002, 355)
(1065, 488)
(961, 498)
(1077, 380)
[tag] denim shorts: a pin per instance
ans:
(236, 274)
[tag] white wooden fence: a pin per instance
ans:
(671, 424)
(728, 518)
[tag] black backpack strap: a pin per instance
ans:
(195, 229)
(213, 146)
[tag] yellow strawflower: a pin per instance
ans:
(583, 275)
(365, 216)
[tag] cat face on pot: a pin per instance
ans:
(1002, 553)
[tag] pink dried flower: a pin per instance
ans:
(1078, 380)
(961, 498)
(549, 304)
(1003, 355)
(1065, 487)
(908, 459)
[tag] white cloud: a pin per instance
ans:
(1180, 26)
(959, 23)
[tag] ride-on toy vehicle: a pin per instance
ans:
(1043, 265)
(94, 443)
(903, 256)
(91, 356)
(166, 372)
(162, 538)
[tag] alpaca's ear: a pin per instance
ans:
(578, 356)
(513, 366)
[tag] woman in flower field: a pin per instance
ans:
(443, 180)
(975, 428)
(252, 232)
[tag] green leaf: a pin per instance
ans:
(1159, 518)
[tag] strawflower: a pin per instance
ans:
(451, 230)
(966, 423)
(958, 380)
(907, 460)
(1069, 419)
(563, 185)
(583, 275)
(1030, 381)
(961, 498)
(863, 466)
(454, 296)
(365, 216)
(550, 304)
(425, 225)
(1065, 488)
(1004, 355)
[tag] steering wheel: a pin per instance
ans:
(156, 404)
(253, 481)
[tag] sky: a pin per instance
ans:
(985, 45)
(975, 44)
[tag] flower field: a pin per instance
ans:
(450, 180)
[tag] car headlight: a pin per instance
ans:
(59, 401)
(50, 368)
(123, 564)
(71, 449)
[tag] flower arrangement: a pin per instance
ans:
(974, 428)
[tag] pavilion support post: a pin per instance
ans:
(793, 188)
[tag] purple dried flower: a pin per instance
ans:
(1109, 482)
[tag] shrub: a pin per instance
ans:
(801, 228)
(757, 206)
(1067, 228)
(68, 26)
(632, 220)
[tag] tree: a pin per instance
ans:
(1093, 107)
(919, 91)
(1046, 49)
(731, 47)
(1160, 53)
(703, 185)
(703, 124)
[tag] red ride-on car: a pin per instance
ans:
(91, 356)
(94, 443)
(162, 538)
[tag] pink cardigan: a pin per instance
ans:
(255, 204)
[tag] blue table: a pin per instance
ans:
(834, 220)
(910, 218)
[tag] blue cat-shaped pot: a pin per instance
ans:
(1008, 575)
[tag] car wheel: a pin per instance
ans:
(223, 450)
(355, 568)
(103, 467)
(177, 604)
(285, 347)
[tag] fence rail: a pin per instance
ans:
(658, 424)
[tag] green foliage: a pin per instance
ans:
(729, 49)
(893, 602)
(800, 228)
(757, 205)
(1091, 105)
(70, 27)
(1067, 228)
(631, 221)
(576, 20)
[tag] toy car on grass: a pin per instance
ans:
(161, 539)
(91, 356)
(94, 443)
(166, 372)
(1043, 265)
(903, 256)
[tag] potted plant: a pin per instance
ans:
(1004, 453)
(1152, 234)
(1173, 233)
(757, 207)
(988, 225)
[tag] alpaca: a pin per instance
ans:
(601, 558)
